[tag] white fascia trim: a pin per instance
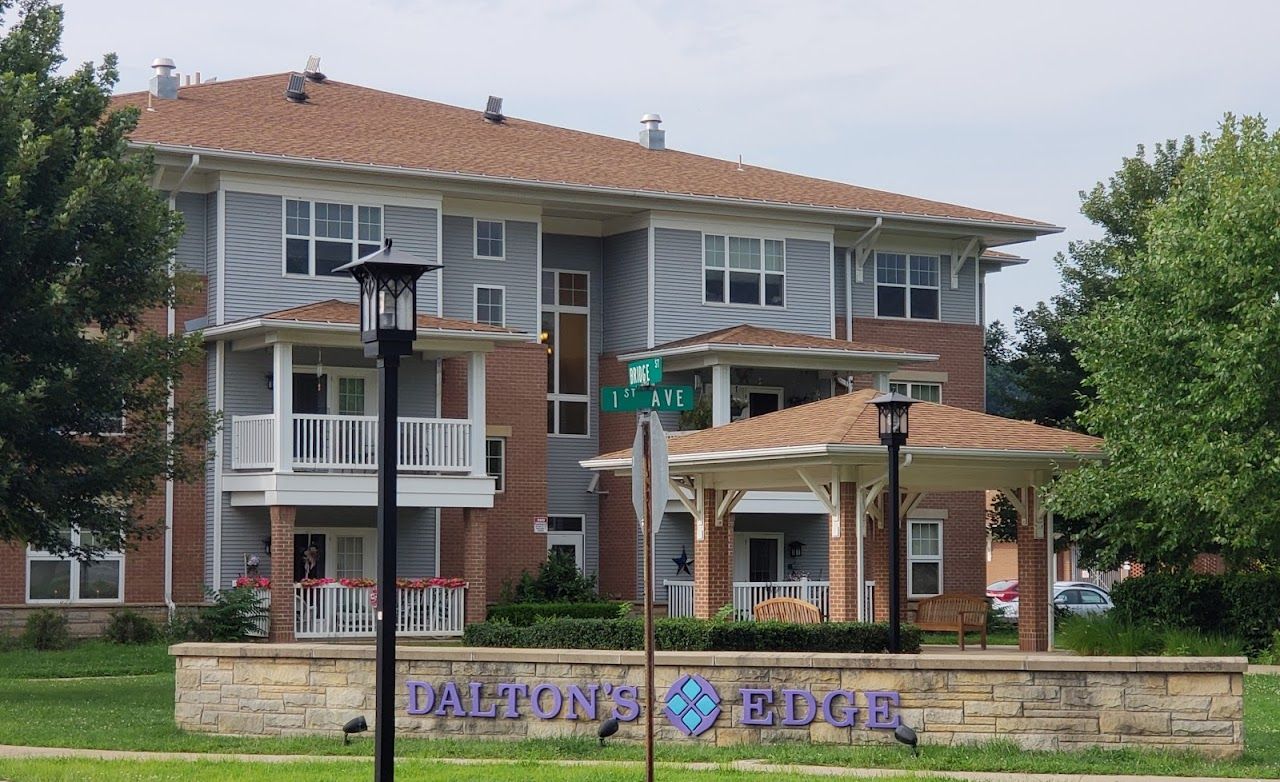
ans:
(252, 324)
(1038, 229)
(752, 228)
(833, 449)
(707, 348)
(310, 190)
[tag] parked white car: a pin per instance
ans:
(1077, 597)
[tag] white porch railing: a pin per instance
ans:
(253, 442)
(337, 611)
(350, 443)
(747, 593)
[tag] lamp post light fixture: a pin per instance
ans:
(388, 281)
(894, 420)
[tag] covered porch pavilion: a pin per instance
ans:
(831, 449)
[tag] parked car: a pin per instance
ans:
(1004, 591)
(1077, 597)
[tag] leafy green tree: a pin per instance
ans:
(1182, 359)
(85, 249)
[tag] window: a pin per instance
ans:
(924, 559)
(565, 536)
(320, 236)
(907, 286)
(490, 239)
(495, 461)
(565, 332)
(490, 305)
(350, 557)
(925, 392)
(740, 270)
(351, 397)
(53, 578)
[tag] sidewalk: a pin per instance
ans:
(759, 766)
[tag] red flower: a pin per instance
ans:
(252, 582)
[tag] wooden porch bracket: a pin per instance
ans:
(727, 503)
(863, 246)
(821, 491)
(961, 257)
(1016, 501)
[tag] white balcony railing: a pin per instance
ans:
(746, 594)
(350, 443)
(337, 611)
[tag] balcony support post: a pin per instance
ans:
(476, 410)
(721, 406)
(282, 398)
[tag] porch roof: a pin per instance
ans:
(950, 448)
(756, 346)
(341, 319)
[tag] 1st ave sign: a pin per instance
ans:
(623, 399)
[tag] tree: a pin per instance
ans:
(1182, 359)
(85, 259)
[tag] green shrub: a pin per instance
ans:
(47, 630)
(1242, 605)
(558, 581)
(1271, 655)
(232, 615)
(691, 635)
(130, 627)
(527, 613)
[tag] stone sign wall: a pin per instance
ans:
(1037, 701)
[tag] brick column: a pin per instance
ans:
(281, 614)
(842, 557)
(474, 565)
(712, 560)
(1033, 580)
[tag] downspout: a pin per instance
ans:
(171, 328)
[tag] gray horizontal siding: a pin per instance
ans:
(626, 291)
(192, 244)
(956, 306)
(244, 390)
(566, 480)
(255, 280)
(243, 530)
(211, 257)
(679, 284)
(517, 272)
(837, 279)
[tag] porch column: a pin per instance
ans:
(876, 553)
(712, 559)
(842, 555)
(1033, 577)
(721, 411)
(475, 564)
(476, 410)
(282, 398)
(280, 617)
(881, 382)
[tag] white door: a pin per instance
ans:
(565, 535)
(757, 556)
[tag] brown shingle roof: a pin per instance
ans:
(850, 419)
(755, 336)
(350, 123)
(347, 313)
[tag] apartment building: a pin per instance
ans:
(564, 254)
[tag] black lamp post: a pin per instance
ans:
(388, 325)
(893, 409)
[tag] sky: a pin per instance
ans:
(1009, 106)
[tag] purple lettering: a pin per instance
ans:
(511, 691)
(450, 698)
(789, 698)
(753, 707)
(878, 704)
(475, 703)
(585, 700)
(626, 707)
(848, 715)
(416, 691)
(535, 701)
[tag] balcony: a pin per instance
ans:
(349, 444)
(341, 612)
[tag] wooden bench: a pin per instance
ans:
(786, 609)
(953, 612)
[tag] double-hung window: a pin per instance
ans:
(907, 286)
(742, 270)
(495, 461)
(566, 333)
(490, 305)
(924, 559)
(320, 236)
(925, 392)
(52, 578)
(491, 239)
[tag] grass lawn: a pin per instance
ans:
(136, 713)
(1001, 637)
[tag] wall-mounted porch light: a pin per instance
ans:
(795, 549)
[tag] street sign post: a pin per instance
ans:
(645, 372)
(630, 399)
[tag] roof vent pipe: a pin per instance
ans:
(652, 137)
(164, 84)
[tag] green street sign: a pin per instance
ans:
(645, 372)
(628, 399)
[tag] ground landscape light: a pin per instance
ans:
(607, 729)
(354, 725)
(907, 736)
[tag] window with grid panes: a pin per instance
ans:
(907, 286)
(55, 578)
(566, 333)
(743, 270)
(490, 306)
(320, 236)
(495, 461)
(925, 392)
(490, 239)
(924, 559)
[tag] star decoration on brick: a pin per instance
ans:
(683, 562)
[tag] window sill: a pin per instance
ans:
(489, 257)
(737, 305)
(78, 602)
(909, 320)
(586, 436)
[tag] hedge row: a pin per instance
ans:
(691, 635)
(527, 613)
(1245, 605)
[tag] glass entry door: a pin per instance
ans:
(757, 556)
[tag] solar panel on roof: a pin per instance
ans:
(295, 91)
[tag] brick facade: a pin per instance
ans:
(618, 551)
(1033, 580)
(842, 556)
(713, 576)
(280, 618)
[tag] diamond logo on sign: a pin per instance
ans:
(692, 705)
